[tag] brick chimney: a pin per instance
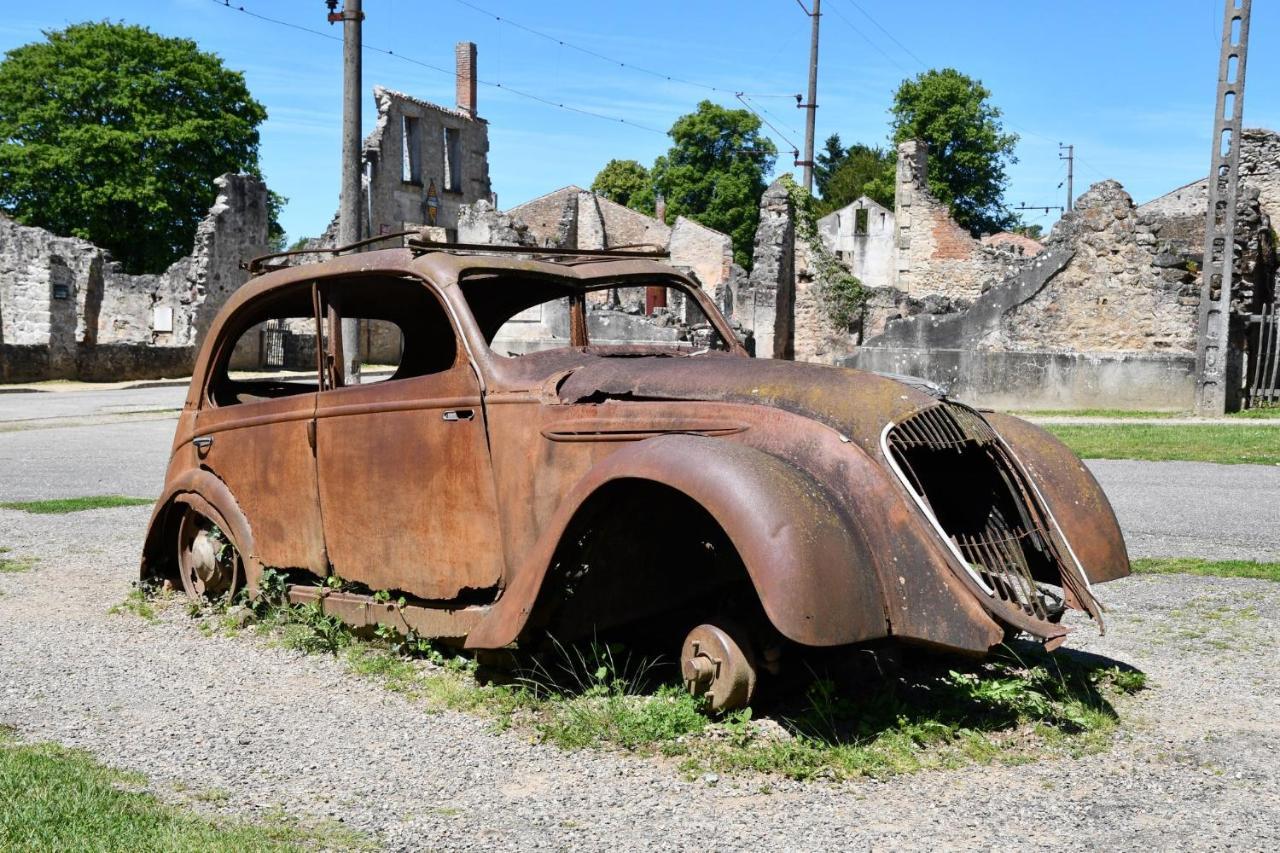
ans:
(660, 208)
(466, 73)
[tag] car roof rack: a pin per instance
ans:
(416, 243)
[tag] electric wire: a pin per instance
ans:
(226, 4)
(631, 66)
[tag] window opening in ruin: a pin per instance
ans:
(412, 150)
(860, 217)
(452, 160)
(403, 329)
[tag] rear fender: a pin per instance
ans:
(816, 581)
(209, 496)
(1072, 495)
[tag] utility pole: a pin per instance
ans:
(1217, 373)
(812, 106)
(350, 201)
(1071, 163)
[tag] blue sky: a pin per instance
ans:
(1130, 84)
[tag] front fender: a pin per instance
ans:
(816, 581)
(1072, 494)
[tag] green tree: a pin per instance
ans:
(626, 182)
(113, 133)
(968, 148)
(828, 160)
(863, 170)
(715, 172)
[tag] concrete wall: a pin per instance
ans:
(1045, 380)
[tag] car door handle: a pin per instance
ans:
(459, 415)
(204, 442)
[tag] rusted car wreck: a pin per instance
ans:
(576, 444)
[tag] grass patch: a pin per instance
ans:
(1156, 442)
(13, 565)
(937, 711)
(61, 799)
(59, 506)
(1214, 568)
(1268, 413)
(1118, 414)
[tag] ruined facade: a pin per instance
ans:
(67, 311)
(1104, 313)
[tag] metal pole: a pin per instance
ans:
(812, 106)
(349, 204)
(1217, 375)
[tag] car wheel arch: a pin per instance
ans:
(790, 533)
(202, 491)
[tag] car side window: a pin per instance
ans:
(268, 351)
(402, 327)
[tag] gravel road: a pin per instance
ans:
(1195, 765)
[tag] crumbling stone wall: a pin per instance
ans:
(1117, 294)
(935, 256)
(68, 311)
(767, 304)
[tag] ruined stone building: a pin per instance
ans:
(1104, 313)
(68, 312)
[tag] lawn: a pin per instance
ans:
(59, 799)
(1258, 445)
(59, 506)
(1197, 566)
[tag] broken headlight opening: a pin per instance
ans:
(979, 502)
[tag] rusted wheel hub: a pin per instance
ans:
(208, 562)
(718, 667)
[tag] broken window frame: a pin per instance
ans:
(452, 148)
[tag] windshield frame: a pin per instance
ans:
(576, 289)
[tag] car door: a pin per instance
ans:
(254, 430)
(406, 485)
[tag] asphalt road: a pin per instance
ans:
(71, 443)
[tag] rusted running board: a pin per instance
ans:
(362, 611)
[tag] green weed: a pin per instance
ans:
(13, 565)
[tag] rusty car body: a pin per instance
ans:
(584, 486)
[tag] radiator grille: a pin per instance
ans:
(950, 457)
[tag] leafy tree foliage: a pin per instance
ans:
(113, 133)
(859, 170)
(626, 182)
(968, 148)
(715, 172)
(1035, 231)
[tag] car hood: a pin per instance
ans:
(856, 403)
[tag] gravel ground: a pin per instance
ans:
(1194, 766)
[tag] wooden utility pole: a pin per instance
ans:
(351, 199)
(812, 105)
(1217, 375)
